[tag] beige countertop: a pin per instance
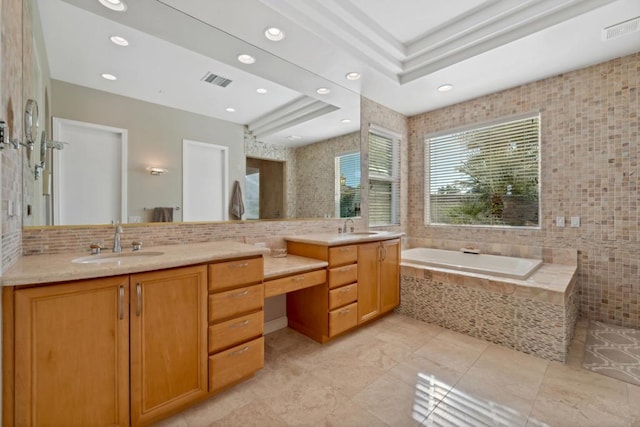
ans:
(336, 239)
(291, 264)
(35, 269)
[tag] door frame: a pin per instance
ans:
(224, 175)
(58, 129)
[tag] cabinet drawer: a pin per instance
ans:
(344, 295)
(294, 283)
(232, 365)
(343, 275)
(341, 255)
(232, 303)
(343, 318)
(233, 332)
(231, 274)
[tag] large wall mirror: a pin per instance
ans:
(294, 152)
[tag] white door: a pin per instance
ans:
(89, 173)
(205, 177)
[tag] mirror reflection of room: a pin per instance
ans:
(206, 98)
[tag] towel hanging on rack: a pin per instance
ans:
(237, 206)
(162, 215)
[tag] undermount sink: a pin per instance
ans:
(364, 233)
(113, 257)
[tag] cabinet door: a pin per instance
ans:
(390, 275)
(168, 341)
(72, 354)
(368, 289)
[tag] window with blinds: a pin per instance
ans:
(487, 175)
(348, 185)
(384, 178)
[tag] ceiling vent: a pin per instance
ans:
(621, 29)
(217, 80)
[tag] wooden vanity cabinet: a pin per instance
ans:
(72, 354)
(363, 283)
(323, 312)
(379, 278)
(236, 321)
(114, 351)
(168, 315)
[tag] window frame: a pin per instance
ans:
(393, 179)
(477, 126)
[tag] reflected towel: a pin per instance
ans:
(237, 206)
(162, 215)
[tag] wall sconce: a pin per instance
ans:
(157, 171)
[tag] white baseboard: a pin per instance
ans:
(275, 324)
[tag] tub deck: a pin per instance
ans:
(536, 315)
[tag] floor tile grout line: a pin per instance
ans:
(458, 380)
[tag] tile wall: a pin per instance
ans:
(590, 141)
(11, 112)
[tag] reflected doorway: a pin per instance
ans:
(265, 189)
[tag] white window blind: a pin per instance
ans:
(384, 178)
(348, 185)
(488, 175)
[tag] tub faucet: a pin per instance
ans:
(117, 247)
(344, 229)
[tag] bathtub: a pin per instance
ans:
(492, 265)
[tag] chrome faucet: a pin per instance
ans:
(344, 229)
(117, 247)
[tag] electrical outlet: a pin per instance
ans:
(559, 221)
(575, 221)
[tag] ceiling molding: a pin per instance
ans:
(485, 27)
(295, 112)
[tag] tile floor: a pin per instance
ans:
(403, 372)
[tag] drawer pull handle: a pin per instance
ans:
(345, 311)
(239, 324)
(345, 249)
(239, 352)
(239, 294)
(240, 265)
(345, 290)
(298, 279)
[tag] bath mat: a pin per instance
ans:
(613, 351)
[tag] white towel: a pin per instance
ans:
(237, 206)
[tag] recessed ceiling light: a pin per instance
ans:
(354, 75)
(274, 34)
(261, 90)
(120, 41)
(445, 87)
(246, 59)
(117, 5)
(108, 76)
(230, 110)
(345, 120)
(323, 90)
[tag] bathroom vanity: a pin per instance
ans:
(363, 282)
(130, 339)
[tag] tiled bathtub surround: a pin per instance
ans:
(536, 316)
(590, 146)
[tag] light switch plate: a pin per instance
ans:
(559, 221)
(575, 221)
